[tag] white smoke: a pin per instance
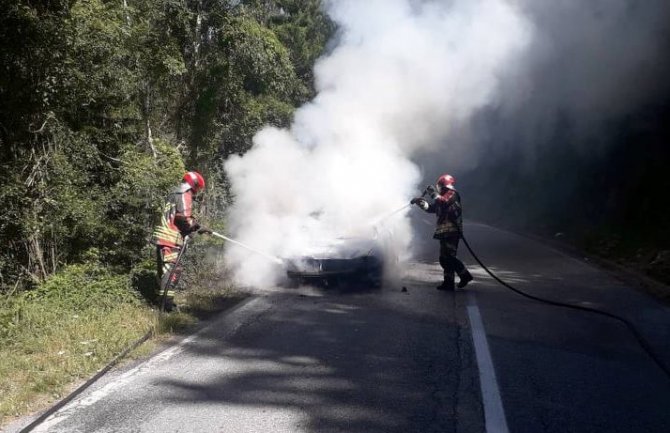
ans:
(402, 75)
(590, 64)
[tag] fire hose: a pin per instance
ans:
(253, 250)
(644, 344)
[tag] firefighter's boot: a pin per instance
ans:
(465, 277)
(171, 306)
(448, 283)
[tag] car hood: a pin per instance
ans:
(341, 248)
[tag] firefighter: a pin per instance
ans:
(446, 204)
(169, 235)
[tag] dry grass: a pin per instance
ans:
(76, 322)
(54, 348)
(197, 304)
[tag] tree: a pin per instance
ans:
(103, 101)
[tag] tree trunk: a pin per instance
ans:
(125, 10)
(36, 258)
(146, 111)
(197, 37)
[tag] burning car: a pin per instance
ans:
(352, 260)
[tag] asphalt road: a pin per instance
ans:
(385, 360)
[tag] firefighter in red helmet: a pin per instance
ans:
(169, 235)
(446, 204)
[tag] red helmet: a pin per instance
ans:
(195, 180)
(446, 181)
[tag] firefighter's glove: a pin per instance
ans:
(421, 202)
(204, 231)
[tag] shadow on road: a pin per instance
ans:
(338, 362)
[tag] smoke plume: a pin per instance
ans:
(589, 63)
(402, 77)
(575, 138)
(479, 88)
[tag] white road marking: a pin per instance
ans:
(231, 322)
(494, 413)
(103, 392)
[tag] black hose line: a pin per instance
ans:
(640, 339)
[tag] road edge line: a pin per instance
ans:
(494, 413)
(77, 400)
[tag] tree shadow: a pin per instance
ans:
(339, 362)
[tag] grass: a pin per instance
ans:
(54, 337)
(196, 304)
(50, 347)
(640, 249)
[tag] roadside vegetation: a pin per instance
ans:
(610, 202)
(104, 106)
(79, 319)
(63, 331)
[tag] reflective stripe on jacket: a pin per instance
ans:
(447, 208)
(176, 218)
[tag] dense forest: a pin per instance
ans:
(605, 194)
(104, 103)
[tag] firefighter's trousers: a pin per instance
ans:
(448, 260)
(166, 261)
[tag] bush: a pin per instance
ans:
(65, 329)
(78, 287)
(144, 281)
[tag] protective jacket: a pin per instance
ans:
(447, 207)
(176, 219)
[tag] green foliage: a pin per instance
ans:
(98, 74)
(135, 199)
(68, 328)
(75, 287)
(245, 81)
(104, 105)
(104, 102)
(259, 63)
(143, 279)
(305, 29)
